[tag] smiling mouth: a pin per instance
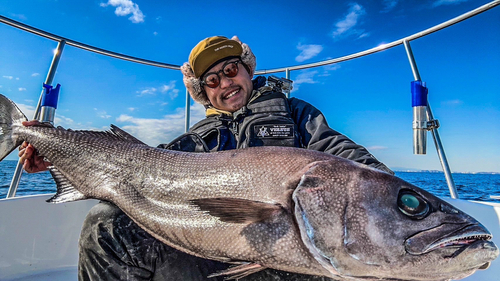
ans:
(231, 94)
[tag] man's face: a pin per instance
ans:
(232, 93)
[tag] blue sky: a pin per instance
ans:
(368, 99)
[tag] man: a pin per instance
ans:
(240, 113)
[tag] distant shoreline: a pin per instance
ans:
(406, 170)
(441, 172)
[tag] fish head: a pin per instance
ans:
(363, 223)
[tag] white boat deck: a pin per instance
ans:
(38, 240)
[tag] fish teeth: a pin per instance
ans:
(462, 241)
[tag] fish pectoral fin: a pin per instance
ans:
(235, 210)
(65, 190)
(239, 271)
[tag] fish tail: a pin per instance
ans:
(11, 118)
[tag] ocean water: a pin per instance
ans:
(30, 184)
(469, 186)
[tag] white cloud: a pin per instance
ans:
(35, 74)
(65, 122)
(389, 5)
(147, 91)
(170, 89)
(363, 35)
(8, 77)
(28, 110)
(452, 102)
(164, 130)
(329, 68)
(376, 147)
(164, 89)
(102, 113)
(313, 76)
(308, 51)
(306, 77)
(126, 7)
(447, 2)
(20, 16)
(346, 25)
(21, 89)
(59, 120)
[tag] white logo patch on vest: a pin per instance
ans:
(274, 131)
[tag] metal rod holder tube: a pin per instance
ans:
(14, 184)
(419, 130)
(47, 114)
(435, 133)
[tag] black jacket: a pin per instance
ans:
(271, 119)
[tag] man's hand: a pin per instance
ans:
(32, 162)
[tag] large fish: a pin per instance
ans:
(271, 207)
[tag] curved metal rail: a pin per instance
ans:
(388, 45)
(80, 45)
(83, 46)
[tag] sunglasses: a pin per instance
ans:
(229, 69)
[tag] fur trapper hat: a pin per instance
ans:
(205, 55)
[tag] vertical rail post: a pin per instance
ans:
(433, 129)
(287, 75)
(48, 80)
(188, 112)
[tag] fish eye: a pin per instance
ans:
(412, 204)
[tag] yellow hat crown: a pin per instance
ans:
(212, 50)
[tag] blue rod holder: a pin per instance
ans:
(418, 93)
(50, 95)
(49, 103)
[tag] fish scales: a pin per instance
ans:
(290, 209)
(157, 198)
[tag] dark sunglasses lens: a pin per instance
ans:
(231, 70)
(212, 80)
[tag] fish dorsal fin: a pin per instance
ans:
(240, 271)
(124, 135)
(114, 133)
(235, 210)
(65, 190)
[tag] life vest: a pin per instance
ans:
(265, 121)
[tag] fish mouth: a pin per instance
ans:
(485, 266)
(456, 238)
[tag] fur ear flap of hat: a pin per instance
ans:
(247, 57)
(193, 84)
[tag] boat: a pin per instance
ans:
(39, 241)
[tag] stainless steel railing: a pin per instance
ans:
(417, 35)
